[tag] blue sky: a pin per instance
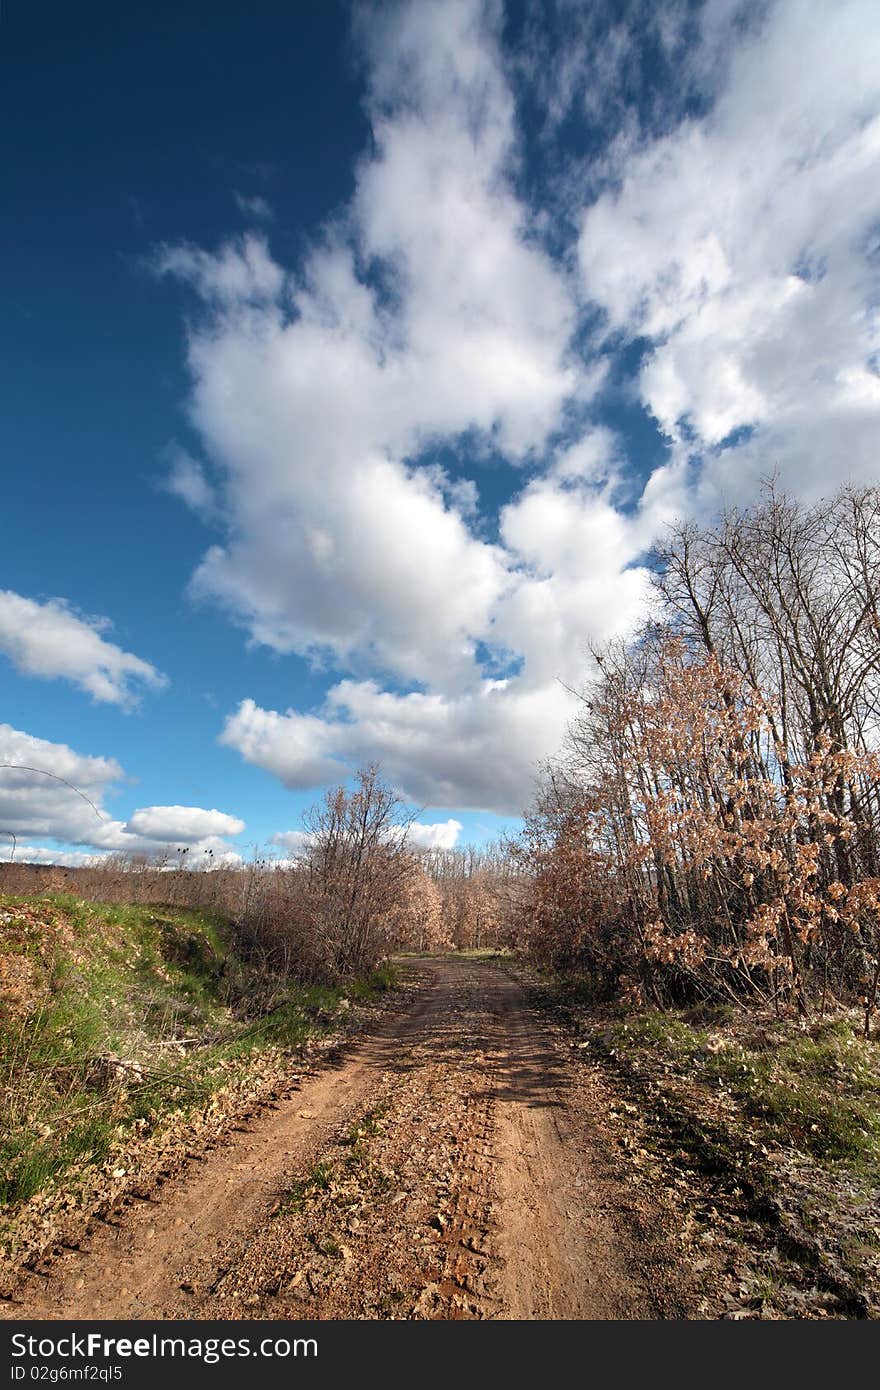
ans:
(355, 356)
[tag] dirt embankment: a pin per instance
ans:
(454, 1162)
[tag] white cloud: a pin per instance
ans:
(49, 640)
(441, 835)
(744, 244)
(295, 842)
(480, 747)
(293, 746)
(428, 312)
(243, 272)
(53, 792)
(182, 823)
(594, 458)
(741, 242)
(39, 854)
(577, 578)
(313, 394)
(187, 480)
(255, 207)
(33, 803)
(478, 751)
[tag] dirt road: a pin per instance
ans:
(450, 1163)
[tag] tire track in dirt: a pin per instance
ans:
(563, 1253)
(462, 1282)
(466, 1217)
(450, 1164)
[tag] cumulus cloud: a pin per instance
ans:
(49, 640)
(743, 244)
(727, 224)
(184, 823)
(316, 393)
(430, 312)
(295, 842)
(34, 803)
(476, 751)
(50, 791)
(296, 747)
(441, 835)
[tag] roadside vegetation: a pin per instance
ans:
(711, 831)
(127, 1029)
(766, 1128)
(704, 860)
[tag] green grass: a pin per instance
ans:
(298, 1193)
(159, 988)
(481, 952)
(816, 1091)
(383, 978)
(358, 1156)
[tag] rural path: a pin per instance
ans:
(450, 1162)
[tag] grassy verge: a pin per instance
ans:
(812, 1091)
(120, 1023)
(770, 1128)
